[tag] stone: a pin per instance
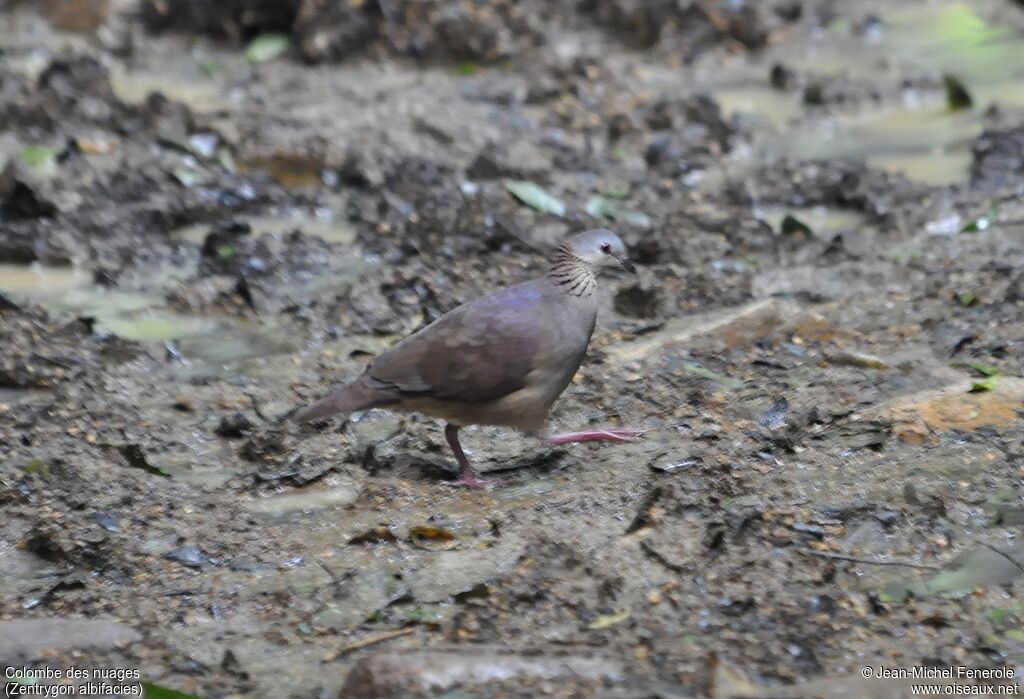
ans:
(25, 639)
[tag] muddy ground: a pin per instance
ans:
(202, 228)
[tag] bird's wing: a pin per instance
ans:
(480, 351)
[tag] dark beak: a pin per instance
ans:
(627, 265)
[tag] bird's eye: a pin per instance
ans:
(606, 248)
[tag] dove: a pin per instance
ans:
(502, 359)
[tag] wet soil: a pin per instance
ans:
(823, 344)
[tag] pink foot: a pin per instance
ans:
(609, 435)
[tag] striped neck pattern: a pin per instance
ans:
(572, 274)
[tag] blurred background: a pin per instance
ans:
(211, 212)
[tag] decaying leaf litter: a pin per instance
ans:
(205, 224)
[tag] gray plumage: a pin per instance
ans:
(502, 359)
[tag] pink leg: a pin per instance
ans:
(608, 435)
(468, 478)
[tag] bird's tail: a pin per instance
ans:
(358, 395)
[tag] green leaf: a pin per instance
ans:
(988, 384)
(982, 223)
(227, 161)
(599, 207)
(791, 225)
(633, 218)
(968, 299)
(39, 156)
(890, 597)
(424, 614)
(23, 680)
(982, 369)
(467, 68)
(36, 466)
(210, 68)
(997, 615)
(188, 177)
(227, 251)
(533, 195)
(156, 691)
(957, 96)
(267, 47)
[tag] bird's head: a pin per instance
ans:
(600, 248)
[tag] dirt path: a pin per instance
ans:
(823, 344)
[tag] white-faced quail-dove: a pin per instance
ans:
(502, 359)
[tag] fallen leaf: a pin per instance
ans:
(155, 691)
(987, 384)
(791, 225)
(982, 369)
(432, 537)
(210, 68)
(601, 207)
(982, 223)
(267, 47)
(188, 177)
(373, 536)
(39, 156)
(534, 196)
(866, 361)
(957, 96)
(968, 299)
(91, 147)
(603, 622)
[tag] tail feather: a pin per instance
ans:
(358, 395)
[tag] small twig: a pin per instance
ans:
(367, 641)
(336, 580)
(868, 561)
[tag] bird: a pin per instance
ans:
(502, 359)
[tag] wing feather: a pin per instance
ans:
(478, 352)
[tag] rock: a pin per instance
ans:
(916, 416)
(19, 198)
(233, 426)
(337, 494)
(815, 284)
(519, 159)
(681, 330)
(1015, 290)
(81, 16)
(452, 572)
(189, 556)
(997, 158)
(781, 77)
(423, 673)
(25, 639)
